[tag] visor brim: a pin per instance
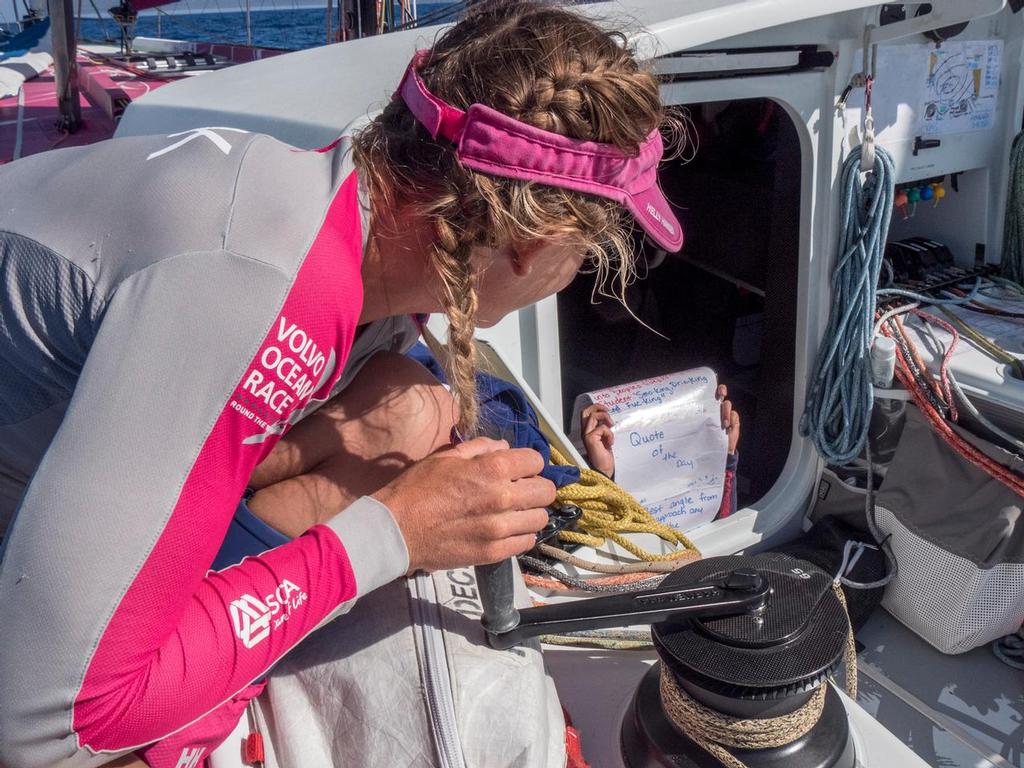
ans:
(654, 214)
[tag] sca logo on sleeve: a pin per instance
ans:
(254, 619)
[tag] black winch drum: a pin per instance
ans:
(751, 666)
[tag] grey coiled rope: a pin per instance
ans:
(839, 396)
(1013, 222)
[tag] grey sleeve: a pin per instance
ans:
(115, 632)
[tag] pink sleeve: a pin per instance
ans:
(190, 747)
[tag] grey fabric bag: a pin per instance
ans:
(840, 500)
(407, 679)
(958, 539)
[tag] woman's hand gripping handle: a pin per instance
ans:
(478, 502)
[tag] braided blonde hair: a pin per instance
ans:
(545, 66)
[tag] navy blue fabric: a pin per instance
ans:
(505, 413)
(247, 535)
(421, 354)
(24, 41)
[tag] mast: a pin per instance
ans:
(248, 24)
(330, 21)
(65, 64)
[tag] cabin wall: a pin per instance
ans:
(969, 220)
(961, 220)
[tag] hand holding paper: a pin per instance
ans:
(670, 439)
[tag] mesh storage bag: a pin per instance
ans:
(958, 540)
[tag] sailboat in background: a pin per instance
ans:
(59, 88)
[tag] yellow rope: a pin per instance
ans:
(714, 731)
(609, 512)
(985, 343)
(641, 566)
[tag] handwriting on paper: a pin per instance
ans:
(670, 448)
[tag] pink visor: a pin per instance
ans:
(487, 140)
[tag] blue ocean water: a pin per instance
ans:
(293, 28)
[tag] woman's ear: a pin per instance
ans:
(523, 257)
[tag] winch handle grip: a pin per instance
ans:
(496, 583)
(739, 591)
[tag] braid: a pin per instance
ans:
(550, 68)
(451, 259)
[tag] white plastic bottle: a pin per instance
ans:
(888, 415)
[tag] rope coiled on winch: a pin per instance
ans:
(839, 399)
(1013, 222)
(715, 731)
(609, 512)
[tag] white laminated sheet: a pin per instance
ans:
(670, 448)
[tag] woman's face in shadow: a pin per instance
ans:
(511, 278)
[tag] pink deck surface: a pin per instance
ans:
(104, 92)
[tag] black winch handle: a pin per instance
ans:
(739, 591)
(496, 582)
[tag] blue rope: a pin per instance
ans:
(840, 395)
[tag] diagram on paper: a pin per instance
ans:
(961, 87)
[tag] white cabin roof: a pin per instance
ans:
(306, 97)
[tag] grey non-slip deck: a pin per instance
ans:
(964, 711)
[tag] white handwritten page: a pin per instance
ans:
(670, 448)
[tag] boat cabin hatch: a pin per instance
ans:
(726, 300)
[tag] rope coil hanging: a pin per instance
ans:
(1013, 223)
(839, 399)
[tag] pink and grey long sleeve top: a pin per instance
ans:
(169, 306)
